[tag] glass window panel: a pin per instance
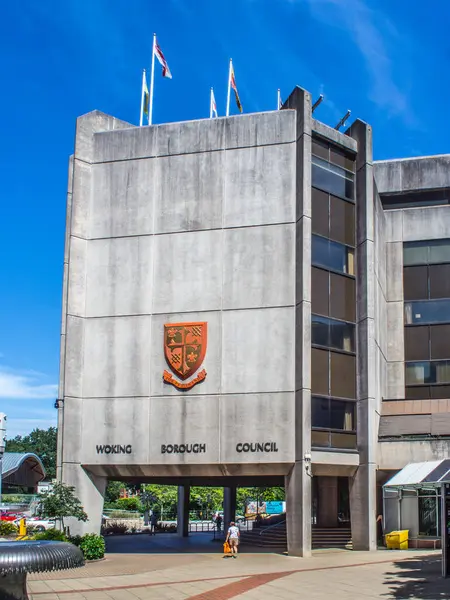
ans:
(320, 212)
(342, 297)
(439, 251)
(415, 283)
(320, 439)
(440, 391)
(439, 281)
(342, 335)
(330, 178)
(320, 291)
(339, 157)
(342, 415)
(428, 509)
(320, 371)
(320, 148)
(442, 371)
(345, 441)
(420, 392)
(417, 343)
(439, 341)
(415, 253)
(320, 412)
(332, 255)
(342, 375)
(427, 311)
(320, 330)
(342, 221)
(417, 372)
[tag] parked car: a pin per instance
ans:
(39, 524)
(239, 518)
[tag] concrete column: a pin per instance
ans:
(328, 502)
(229, 506)
(90, 490)
(184, 494)
(298, 510)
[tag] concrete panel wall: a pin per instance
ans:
(411, 174)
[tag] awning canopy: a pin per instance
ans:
(419, 475)
(22, 469)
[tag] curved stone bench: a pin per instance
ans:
(17, 559)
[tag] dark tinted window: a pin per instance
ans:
(415, 283)
(427, 311)
(439, 281)
(417, 343)
(332, 179)
(421, 392)
(342, 221)
(342, 415)
(439, 340)
(320, 372)
(320, 212)
(343, 375)
(332, 255)
(320, 148)
(320, 412)
(342, 298)
(320, 291)
(440, 391)
(340, 158)
(430, 251)
(320, 330)
(437, 371)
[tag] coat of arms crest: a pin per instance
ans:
(185, 349)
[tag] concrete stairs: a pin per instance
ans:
(274, 537)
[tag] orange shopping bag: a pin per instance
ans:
(226, 548)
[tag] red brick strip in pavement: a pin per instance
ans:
(230, 576)
(232, 590)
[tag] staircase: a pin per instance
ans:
(274, 537)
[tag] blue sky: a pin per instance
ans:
(386, 61)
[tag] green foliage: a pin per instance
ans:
(7, 528)
(165, 498)
(206, 500)
(92, 546)
(51, 534)
(75, 540)
(264, 494)
(61, 502)
(40, 441)
(133, 503)
(113, 490)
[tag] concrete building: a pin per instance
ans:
(274, 248)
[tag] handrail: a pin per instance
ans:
(266, 529)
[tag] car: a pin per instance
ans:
(39, 524)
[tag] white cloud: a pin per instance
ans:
(378, 41)
(25, 426)
(25, 385)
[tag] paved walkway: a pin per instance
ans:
(208, 576)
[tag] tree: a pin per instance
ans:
(113, 490)
(41, 442)
(61, 503)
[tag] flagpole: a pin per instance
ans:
(229, 89)
(152, 82)
(141, 119)
(279, 99)
(211, 103)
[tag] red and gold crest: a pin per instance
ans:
(185, 349)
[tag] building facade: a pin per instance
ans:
(234, 313)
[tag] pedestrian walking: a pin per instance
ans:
(219, 523)
(153, 523)
(233, 535)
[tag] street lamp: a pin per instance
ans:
(3, 420)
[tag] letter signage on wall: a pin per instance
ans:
(114, 449)
(185, 349)
(256, 447)
(183, 448)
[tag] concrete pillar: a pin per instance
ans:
(184, 494)
(90, 490)
(298, 510)
(229, 505)
(327, 515)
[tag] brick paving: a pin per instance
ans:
(337, 575)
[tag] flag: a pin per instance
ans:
(146, 97)
(162, 61)
(213, 105)
(233, 85)
(280, 101)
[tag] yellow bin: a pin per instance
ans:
(397, 540)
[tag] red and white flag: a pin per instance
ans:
(162, 60)
(212, 106)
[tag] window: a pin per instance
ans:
(332, 179)
(417, 343)
(342, 297)
(333, 423)
(332, 255)
(427, 311)
(332, 333)
(333, 217)
(320, 291)
(332, 154)
(437, 371)
(342, 375)
(320, 371)
(426, 252)
(426, 282)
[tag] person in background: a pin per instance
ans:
(233, 538)
(219, 523)
(153, 523)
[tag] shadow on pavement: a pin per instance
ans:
(169, 543)
(417, 578)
